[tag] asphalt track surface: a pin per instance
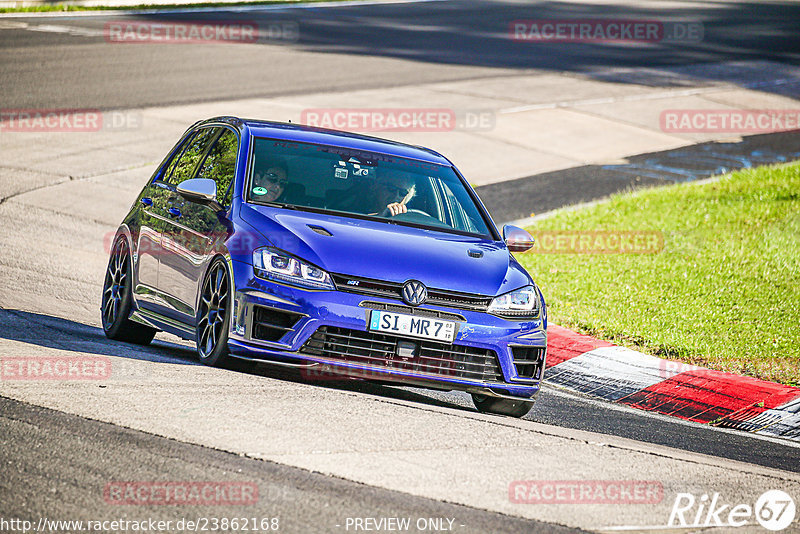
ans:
(58, 462)
(371, 46)
(553, 407)
(58, 475)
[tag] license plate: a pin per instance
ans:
(409, 325)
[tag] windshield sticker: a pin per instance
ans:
(286, 144)
(356, 156)
(259, 191)
(340, 173)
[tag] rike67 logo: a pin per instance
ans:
(774, 510)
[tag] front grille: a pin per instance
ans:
(422, 312)
(393, 290)
(529, 362)
(270, 324)
(366, 286)
(422, 357)
(458, 300)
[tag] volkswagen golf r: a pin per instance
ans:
(329, 251)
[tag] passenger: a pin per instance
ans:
(268, 186)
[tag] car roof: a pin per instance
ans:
(310, 134)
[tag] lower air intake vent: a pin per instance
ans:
(270, 324)
(529, 362)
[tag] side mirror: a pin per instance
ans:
(200, 191)
(517, 239)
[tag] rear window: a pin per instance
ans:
(361, 184)
(220, 165)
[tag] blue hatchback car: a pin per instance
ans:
(337, 253)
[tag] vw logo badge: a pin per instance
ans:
(415, 293)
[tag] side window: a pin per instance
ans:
(461, 220)
(169, 166)
(183, 167)
(220, 165)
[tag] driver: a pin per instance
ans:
(383, 196)
(392, 194)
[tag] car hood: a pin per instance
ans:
(389, 252)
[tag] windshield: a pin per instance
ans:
(365, 184)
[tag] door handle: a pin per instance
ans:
(147, 201)
(175, 212)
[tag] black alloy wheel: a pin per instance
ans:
(117, 300)
(213, 315)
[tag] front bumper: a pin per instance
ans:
(480, 360)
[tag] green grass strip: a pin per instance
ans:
(723, 293)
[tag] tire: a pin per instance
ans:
(494, 405)
(213, 316)
(117, 300)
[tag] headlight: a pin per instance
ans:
(275, 265)
(520, 304)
